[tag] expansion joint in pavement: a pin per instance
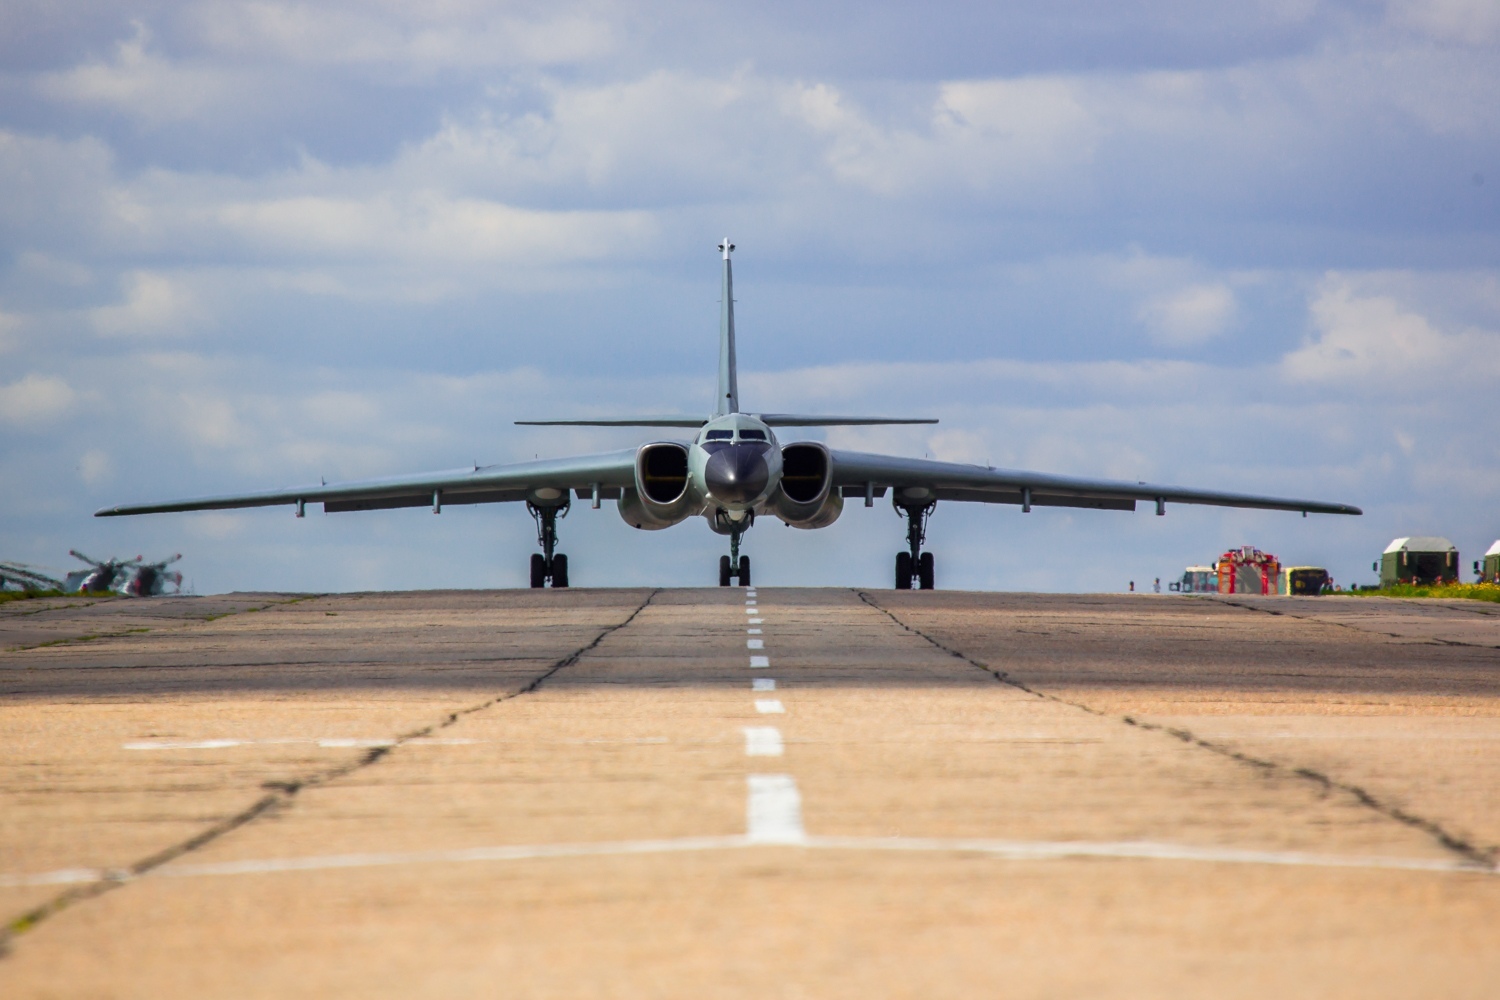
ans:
(281, 795)
(1469, 851)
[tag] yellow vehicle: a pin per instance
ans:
(1304, 581)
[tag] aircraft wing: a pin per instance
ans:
(610, 473)
(855, 473)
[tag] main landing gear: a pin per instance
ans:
(915, 564)
(735, 566)
(547, 565)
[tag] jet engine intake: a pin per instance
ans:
(806, 497)
(661, 497)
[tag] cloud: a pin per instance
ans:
(35, 399)
(95, 467)
(1190, 315)
(419, 39)
(154, 304)
(1373, 340)
(140, 83)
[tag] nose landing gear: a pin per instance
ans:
(735, 566)
(915, 565)
(547, 565)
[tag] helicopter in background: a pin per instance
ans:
(128, 577)
(151, 579)
(24, 577)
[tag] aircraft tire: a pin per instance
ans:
(925, 568)
(744, 571)
(903, 570)
(538, 570)
(723, 571)
(559, 570)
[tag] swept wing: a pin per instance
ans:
(610, 472)
(857, 474)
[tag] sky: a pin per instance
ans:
(1251, 246)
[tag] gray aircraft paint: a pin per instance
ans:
(613, 474)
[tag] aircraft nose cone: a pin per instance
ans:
(737, 474)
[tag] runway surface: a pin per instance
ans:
(772, 793)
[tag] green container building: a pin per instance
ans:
(1420, 559)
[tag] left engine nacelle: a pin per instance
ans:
(661, 497)
(806, 497)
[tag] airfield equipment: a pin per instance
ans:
(1489, 570)
(23, 577)
(151, 579)
(1197, 580)
(1304, 581)
(1420, 559)
(1247, 570)
(732, 471)
(101, 577)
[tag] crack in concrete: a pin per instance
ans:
(1420, 640)
(184, 623)
(1470, 852)
(282, 795)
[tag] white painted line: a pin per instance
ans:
(769, 706)
(330, 743)
(774, 810)
(752, 631)
(755, 644)
(759, 661)
(763, 684)
(1006, 850)
(762, 741)
(750, 603)
(751, 611)
(1042, 850)
(755, 621)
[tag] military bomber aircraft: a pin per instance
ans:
(734, 470)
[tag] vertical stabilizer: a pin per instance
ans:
(729, 388)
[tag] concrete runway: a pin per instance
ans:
(825, 793)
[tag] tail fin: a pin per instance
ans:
(729, 389)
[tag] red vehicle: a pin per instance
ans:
(1248, 570)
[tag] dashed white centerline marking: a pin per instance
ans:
(755, 644)
(759, 661)
(763, 684)
(774, 811)
(751, 611)
(763, 741)
(752, 631)
(754, 621)
(769, 706)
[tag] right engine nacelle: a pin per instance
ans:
(806, 497)
(661, 497)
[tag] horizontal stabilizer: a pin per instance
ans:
(803, 420)
(620, 422)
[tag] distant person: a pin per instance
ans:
(1132, 586)
(1156, 587)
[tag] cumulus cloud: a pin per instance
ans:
(1190, 315)
(140, 83)
(1369, 339)
(35, 399)
(154, 304)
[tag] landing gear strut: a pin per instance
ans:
(915, 564)
(735, 566)
(547, 565)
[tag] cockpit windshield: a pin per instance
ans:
(748, 434)
(718, 435)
